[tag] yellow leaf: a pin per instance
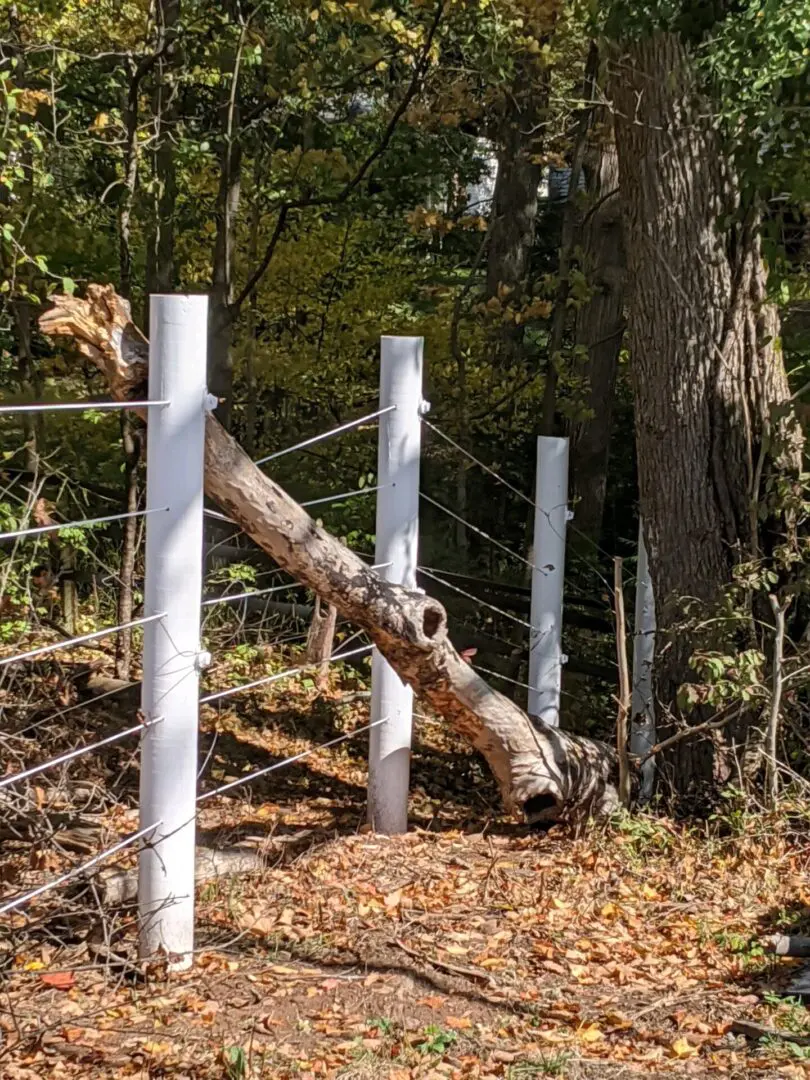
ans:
(556, 902)
(34, 965)
(393, 900)
(590, 1034)
(155, 1047)
(609, 911)
(460, 1022)
(456, 950)
(314, 15)
(101, 121)
(682, 1048)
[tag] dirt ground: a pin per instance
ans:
(466, 949)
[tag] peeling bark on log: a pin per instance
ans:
(544, 772)
(787, 945)
(118, 887)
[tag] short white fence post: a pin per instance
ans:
(399, 450)
(548, 578)
(171, 652)
(642, 727)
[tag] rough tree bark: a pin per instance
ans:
(707, 369)
(541, 771)
(321, 638)
(599, 331)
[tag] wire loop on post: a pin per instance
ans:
(79, 640)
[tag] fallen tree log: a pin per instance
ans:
(543, 772)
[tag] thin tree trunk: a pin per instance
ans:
(251, 382)
(131, 442)
(599, 333)
(160, 270)
(623, 699)
(220, 355)
(28, 383)
(129, 111)
(68, 596)
(559, 318)
(778, 676)
(707, 369)
(321, 638)
(514, 209)
(541, 771)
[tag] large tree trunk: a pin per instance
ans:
(707, 370)
(599, 331)
(541, 771)
(514, 207)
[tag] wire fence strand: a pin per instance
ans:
(77, 406)
(64, 712)
(346, 495)
(480, 532)
(231, 690)
(515, 490)
(40, 530)
(80, 640)
(478, 601)
(76, 871)
(325, 435)
(15, 778)
(290, 760)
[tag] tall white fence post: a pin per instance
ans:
(642, 727)
(548, 578)
(171, 652)
(399, 450)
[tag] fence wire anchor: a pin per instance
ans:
(569, 515)
(211, 402)
(202, 660)
(424, 407)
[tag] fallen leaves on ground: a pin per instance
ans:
(465, 949)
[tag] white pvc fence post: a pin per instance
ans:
(171, 652)
(545, 640)
(399, 450)
(642, 728)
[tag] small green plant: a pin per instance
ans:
(791, 1013)
(437, 1041)
(235, 1061)
(748, 949)
(643, 835)
(382, 1024)
(543, 1065)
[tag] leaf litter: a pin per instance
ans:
(464, 949)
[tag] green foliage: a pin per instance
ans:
(235, 1061)
(553, 1064)
(437, 1040)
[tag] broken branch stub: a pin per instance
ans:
(542, 771)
